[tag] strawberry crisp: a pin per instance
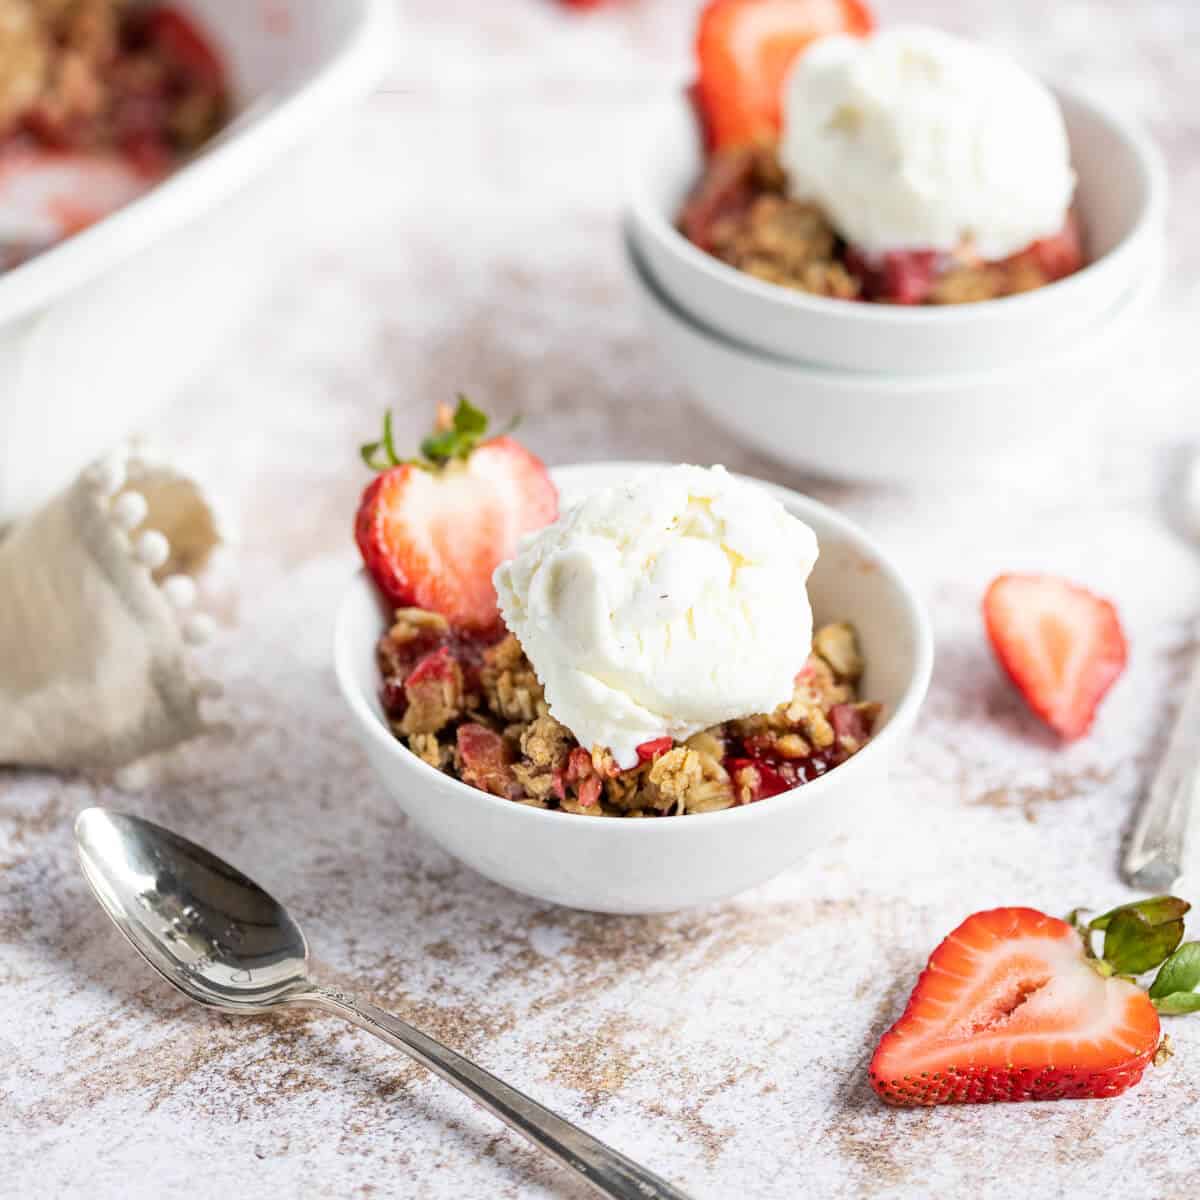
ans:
(740, 212)
(900, 166)
(99, 99)
(474, 708)
(459, 691)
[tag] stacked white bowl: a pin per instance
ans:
(888, 392)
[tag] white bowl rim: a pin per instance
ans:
(1146, 153)
(899, 383)
(901, 719)
(237, 154)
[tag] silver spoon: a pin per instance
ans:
(1158, 851)
(220, 939)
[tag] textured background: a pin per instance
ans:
(460, 232)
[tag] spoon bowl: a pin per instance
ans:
(202, 924)
(220, 939)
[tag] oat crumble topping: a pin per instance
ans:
(477, 711)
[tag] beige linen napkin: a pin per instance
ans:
(96, 596)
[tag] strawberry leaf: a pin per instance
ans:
(467, 430)
(1176, 988)
(1178, 1004)
(1133, 945)
(1156, 910)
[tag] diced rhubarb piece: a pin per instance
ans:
(393, 699)
(852, 723)
(579, 765)
(181, 42)
(759, 778)
(897, 277)
(725, 190)
(435, 667)
(486, 759)
(649, 751)
(434, 693)
(589, 791)
(1062, 254)
(908, 275)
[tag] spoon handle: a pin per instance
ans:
(1155, 856)
(607, 1170)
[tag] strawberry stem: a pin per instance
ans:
(467, 429)
(455, 435)
(370, 451)
(1140, 936)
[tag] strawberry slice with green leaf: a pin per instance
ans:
(1060, 644)
(432, 529)
(1017, 1005)
(745, 49)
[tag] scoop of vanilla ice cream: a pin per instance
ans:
(914, 139)
(663, 606)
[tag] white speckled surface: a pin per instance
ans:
(460, 232)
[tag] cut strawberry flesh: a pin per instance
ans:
(400, 662)
(432, 539)
(745, 49)
(1009, 1009)
(1061, 645)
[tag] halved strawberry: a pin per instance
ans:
(1011, 1007)
(1061, 645)
(432, 530)
(745, 49)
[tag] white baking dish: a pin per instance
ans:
(101, 329)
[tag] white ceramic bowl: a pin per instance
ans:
(912, 429)
(1121, 198)
(625, 866)
(101, 329)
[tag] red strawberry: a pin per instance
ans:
(745, 49)
(1011, 1007)
(431, 531)
(1061, 645)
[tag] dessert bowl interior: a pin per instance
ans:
(896, 428)
(1121, 199)
(662, 864)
